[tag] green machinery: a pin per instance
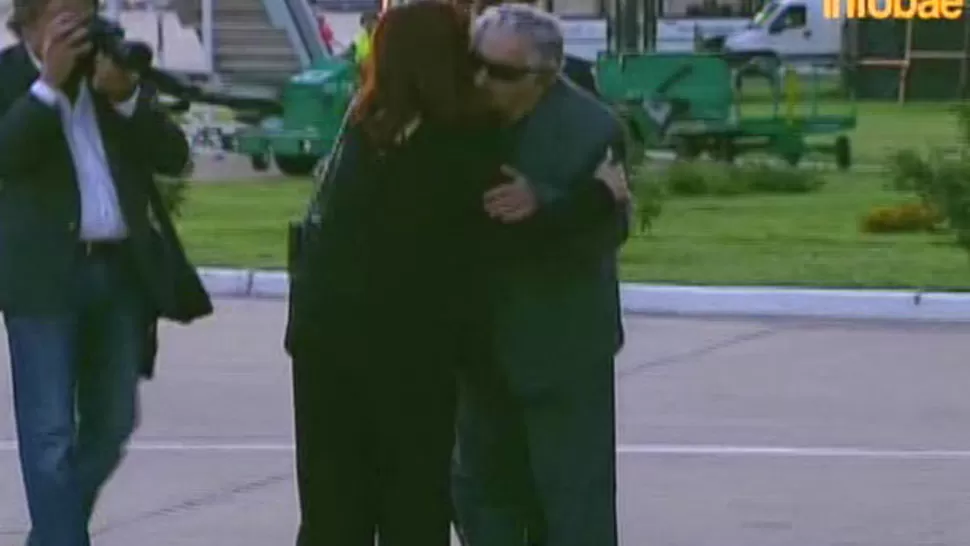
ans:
(305, 125)
(691, 103)
(686, 102)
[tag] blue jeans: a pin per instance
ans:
(75, 383)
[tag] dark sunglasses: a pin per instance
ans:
(499, 71)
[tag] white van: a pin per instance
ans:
(585, 37)
(790, 29)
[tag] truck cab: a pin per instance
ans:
(790, 29)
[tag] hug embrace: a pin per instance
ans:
(454, 309)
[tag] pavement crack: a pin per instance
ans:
(697, 353)
(208, 499)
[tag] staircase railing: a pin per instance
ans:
(298, 22)
(208, 37)
(306, 26)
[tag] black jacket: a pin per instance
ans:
(400, 251)
(558, 310)
(388, 274)
(580, 72)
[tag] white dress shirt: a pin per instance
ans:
(101, 216)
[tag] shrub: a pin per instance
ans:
(908, 170)
(648, 198)
(963, 122)
(725, 180)
(907, 217)
(948, 189)
(686, 178)
(697, 178)
(941, 181)
(765, 178)
(173, 192)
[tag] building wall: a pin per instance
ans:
(672, 8)
(577, 7)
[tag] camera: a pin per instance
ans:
(108, 38)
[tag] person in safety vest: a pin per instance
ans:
(359, 49)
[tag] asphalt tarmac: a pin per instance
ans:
(732, 432)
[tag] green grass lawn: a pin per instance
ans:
(241, 223)
(806, 240)
(885, 127)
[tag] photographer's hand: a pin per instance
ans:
(65, 42)
(115, 83)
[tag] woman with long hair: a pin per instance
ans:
(389, 302)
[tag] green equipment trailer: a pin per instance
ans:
(313, 104)
(691, 103)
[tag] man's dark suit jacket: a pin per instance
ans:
(40, 204)
(557, 308)
(580, 72)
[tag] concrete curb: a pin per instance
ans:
(226, 282)
(270, 284)
(797, 302)
(905, 305)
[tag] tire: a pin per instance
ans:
(296, 165)
(843, 153)
(260, 163)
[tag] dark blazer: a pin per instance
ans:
(390, 272)
(580, 72)
(361, 222)
(39, 199)
(557, 309)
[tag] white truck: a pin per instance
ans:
(792, 30)
(680, 34)
(585, 37)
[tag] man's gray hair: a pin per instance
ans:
(541, 30)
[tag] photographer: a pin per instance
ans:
(83, 270)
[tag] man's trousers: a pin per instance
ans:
(537, 467)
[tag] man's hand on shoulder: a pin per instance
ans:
(612, 173)
(513, 200)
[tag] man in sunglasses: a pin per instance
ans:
(576, 69)
(535, 462)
